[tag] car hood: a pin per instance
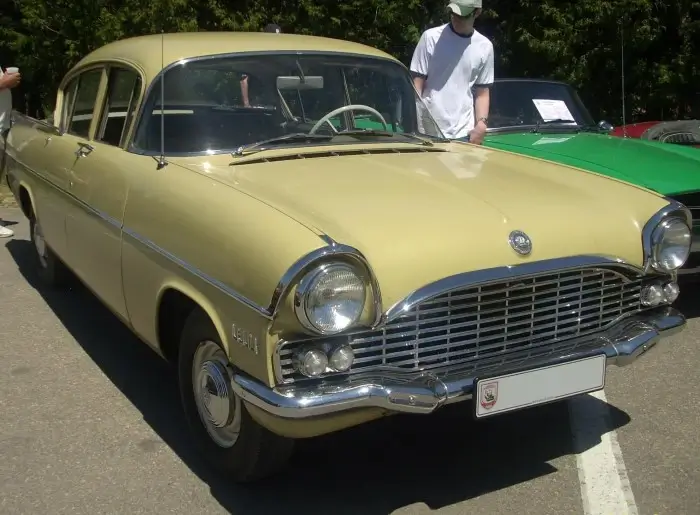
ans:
(420, 217)
(647, 163)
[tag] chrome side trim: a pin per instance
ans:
(72, 198)
(424, 393)
(498, 274)
(152, 246)
(334, 249)
(303, 264)
(674, 208)
(35, 123)
(198, 273)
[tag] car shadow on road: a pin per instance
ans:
(374, 469)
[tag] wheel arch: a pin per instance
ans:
(26, 199)
(175, 303)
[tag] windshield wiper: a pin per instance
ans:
(558, 121)
(291, 138)
(591, 128)
(305, 137)
(375, 132)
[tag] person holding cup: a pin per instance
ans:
(9, 79)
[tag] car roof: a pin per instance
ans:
(144, 52)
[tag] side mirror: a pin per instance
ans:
(605, 126)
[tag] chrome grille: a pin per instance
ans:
(489, 321)
(682, 138)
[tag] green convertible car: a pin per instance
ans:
(548, 120)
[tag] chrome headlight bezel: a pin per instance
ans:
(306, 286)
(655, 230)
(658, 237)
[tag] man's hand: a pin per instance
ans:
(9, 80)
(476, 135)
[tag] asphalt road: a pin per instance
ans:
(90, 423)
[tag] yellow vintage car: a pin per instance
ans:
(280, 217)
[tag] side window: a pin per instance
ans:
(88, 86)
(122, 97)
(68, 99)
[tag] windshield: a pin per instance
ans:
(219, 104)
(518, 103)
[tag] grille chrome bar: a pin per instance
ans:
(479, 323)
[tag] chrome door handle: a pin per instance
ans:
(84, 150)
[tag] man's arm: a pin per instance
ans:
(419, 83)
(244, 91)
(9, 80)
(419, 64)
(482, 99)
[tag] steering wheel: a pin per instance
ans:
(352, 107)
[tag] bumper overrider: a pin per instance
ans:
(622, 344)
(444, 341)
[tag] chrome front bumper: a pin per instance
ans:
(622, 343)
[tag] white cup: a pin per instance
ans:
(12, 69)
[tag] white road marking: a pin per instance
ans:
(605, 487)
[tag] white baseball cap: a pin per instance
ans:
(463, 7)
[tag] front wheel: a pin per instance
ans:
(224, 430)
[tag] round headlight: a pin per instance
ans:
(311, 362)
(671, 242)
(332, 298)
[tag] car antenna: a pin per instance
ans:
(162, 163)
(622, 66)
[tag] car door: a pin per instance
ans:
(48, 157)
(99, 180)
(47, 153)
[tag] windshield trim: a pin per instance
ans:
(152, 84)
(549, 129)
(531, 126)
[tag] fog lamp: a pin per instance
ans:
(311, 362)
(652, 295)
(671, 292)
(342, 358)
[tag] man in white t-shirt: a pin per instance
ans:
(7, 82)
(452, 70)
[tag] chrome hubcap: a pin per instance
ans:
(40, 244)
(219, 408)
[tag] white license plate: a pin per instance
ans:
(495, 395)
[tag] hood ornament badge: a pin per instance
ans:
(520, 242)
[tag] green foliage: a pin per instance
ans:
(578, 41)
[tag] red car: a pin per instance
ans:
(680, 132)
